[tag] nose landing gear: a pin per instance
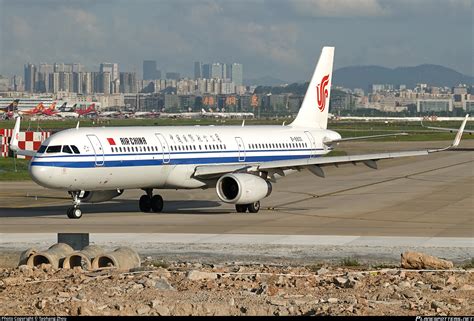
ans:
(150, 203)
(75, 212)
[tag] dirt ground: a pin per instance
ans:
(190, 288)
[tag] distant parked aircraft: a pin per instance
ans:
(8, 112)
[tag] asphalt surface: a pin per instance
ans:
(431, 196)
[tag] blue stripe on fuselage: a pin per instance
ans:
(156, 162)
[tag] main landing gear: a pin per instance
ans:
(75, 212)
(252, 207)
(150, 202)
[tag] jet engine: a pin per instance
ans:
(99, 196)
(242, 188)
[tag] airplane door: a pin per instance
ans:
(98, 150)
(240, 146)
(312, 144)
(164, 148)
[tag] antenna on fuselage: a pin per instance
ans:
(77, 125)
(243, 123)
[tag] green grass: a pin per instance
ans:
(349, 261)
(469, 264)
(159, 263)
(8, 171)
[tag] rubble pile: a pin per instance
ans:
(183, 288)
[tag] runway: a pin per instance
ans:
(429, 196)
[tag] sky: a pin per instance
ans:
(281, 39)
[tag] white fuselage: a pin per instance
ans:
(165, 157)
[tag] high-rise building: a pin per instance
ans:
(128, 82)
(87, 82)
(54, 82)
(30, 77)
(206, 71)
(173, 75)
(237, 74)
(106, 79)
(113, 70)
(216, 70)
(150, 72)
(78, 82)
(197, 70)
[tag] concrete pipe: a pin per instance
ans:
(123, 258)
(82, 258)
(54, 255)
(25, 255)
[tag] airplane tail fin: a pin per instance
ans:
(314, 109)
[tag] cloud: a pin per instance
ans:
(281, 38)
(339, 8)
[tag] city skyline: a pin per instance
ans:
(271, 38)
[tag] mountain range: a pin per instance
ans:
(364, 76)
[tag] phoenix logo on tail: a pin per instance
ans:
(322, 92)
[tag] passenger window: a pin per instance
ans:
(54, 149)
(66, 149)
(200, 147)
(42, 149)
(75, 149)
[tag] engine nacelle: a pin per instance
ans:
(99, 196)
(241, 188)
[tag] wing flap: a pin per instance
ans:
(368, 159)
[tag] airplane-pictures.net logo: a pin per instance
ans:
(322, 92)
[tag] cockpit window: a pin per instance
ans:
(42, 149)
(75, 149)
(54, 149)
(66, 149)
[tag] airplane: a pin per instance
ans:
(50, 111)
(147, 114)
(35, 111)
(8, 112)
(96, 164)
(212, 114)
(451, 130)
(88, 111)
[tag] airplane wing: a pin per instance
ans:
(329, 142)
(451, 130)
(314, 165)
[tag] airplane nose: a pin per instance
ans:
(42, 175)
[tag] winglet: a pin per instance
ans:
(457, 139)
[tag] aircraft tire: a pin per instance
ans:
(241, 208)
(74, 213)
(157, 203)
(254, 207)
(145, 203)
